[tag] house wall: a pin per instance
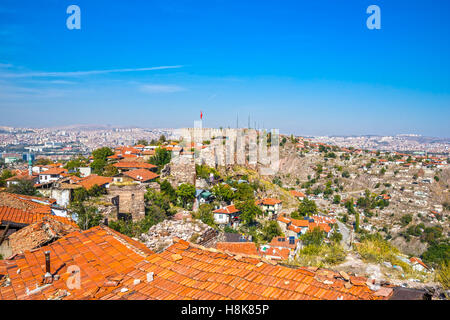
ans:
(221, 218)
(131, 199)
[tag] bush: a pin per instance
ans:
(437, 254)
(405, 220)
(374, 248)
(322, 255)
(204, 214)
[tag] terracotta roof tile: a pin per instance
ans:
(238, 247)
(114, 262)
(141, 175)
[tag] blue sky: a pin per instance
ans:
(305, 67)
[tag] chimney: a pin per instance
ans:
(47, 264)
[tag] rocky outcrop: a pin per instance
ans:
(160, 236)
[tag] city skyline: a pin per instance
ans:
(305, 68)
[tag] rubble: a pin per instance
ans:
(160, 236)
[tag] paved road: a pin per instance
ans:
(346, 235)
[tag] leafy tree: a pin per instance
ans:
(345, 174)
(336, 237)
(75, 163)
(168, 190)
(102, 153)
(357, 222)
(406, 219)
(162, 139)
(314, 237)
(25, 187)
(43, 162)
(80, 195)
(204, 214)
(337, 199)
(270, 230)
(110, 171)
(223, 192)
(249, 211)
(244, 192)
(437, 253)
(186, 193)
(160, 200)
(161, 158)
(87, 216)
(143, 142)
(6, 174)
(431, 235)
(98, 165)
(306, 208)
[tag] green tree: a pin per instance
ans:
(357, 222)
(6, 174)
(249, 211)
(345, 174)
(405, 219)
(87, 216)
(270, 230)
(143, 142)
(306, 208)
(223, 192)
(161, 158)
(204, 214)
(102, 153)
(186, 193)
(25, 187)
(79, 195)
(98, 165)
(110, 171)
(168, 190)
(314, 237)
(244, 192)
(437, 253)
(337, 199)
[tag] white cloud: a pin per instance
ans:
(159, 88)
(81, 73)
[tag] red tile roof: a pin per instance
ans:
(102, 255)
(275, 253)
(415, 260)
(284, 243)
(27, 203)
(268, 201)
(284, 219)
(141, 175)
(298, 194)
(54, 171)
(93, 180)
(113, 266)
(39, 233)
(135, 164)
(227, 210)
(13, 215)
(238, 247)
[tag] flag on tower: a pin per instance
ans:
(201, 115)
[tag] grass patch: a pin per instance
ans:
(323, 255)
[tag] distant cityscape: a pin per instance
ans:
(62, 143)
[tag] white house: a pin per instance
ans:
(228, 215)
(53, 174)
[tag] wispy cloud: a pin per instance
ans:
(82, 73)
(158, 88)
(5, 65)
